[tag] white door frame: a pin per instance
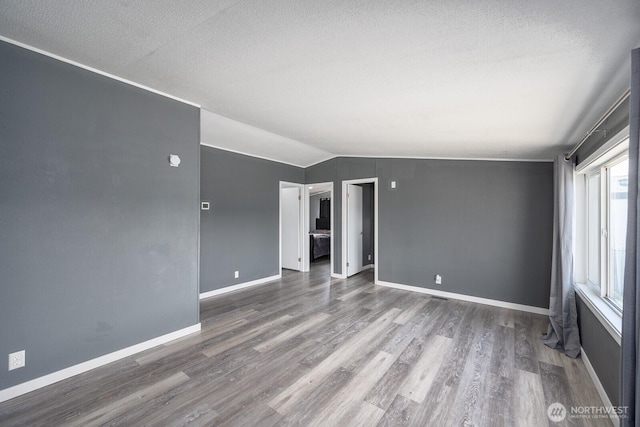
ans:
(301, 187)
(374, 181)
(306, 261)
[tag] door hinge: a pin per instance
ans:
(299, 259)
(347, 264)
(299, 198)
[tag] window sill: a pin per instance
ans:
(610, 318)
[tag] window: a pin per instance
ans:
(593, 229)
(618, 184)
(606, 226)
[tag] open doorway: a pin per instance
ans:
(319, 228)
(359, 226)
(291, 226)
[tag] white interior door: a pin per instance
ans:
(354, 229)
(290, 205)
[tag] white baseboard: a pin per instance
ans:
(239, 286)
(369, 266)
(29, 386)
(462, 297)
(598, 384)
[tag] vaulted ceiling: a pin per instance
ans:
(303, 80)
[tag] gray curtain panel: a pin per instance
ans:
(563, 316)
(631, 314)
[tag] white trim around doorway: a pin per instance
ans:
(343, 231)
(301, 188)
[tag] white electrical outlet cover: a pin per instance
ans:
(17, 360)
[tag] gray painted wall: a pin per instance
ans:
(601, 349)
(241, 230)
(314, 207)
(485, 226)
(99, 235)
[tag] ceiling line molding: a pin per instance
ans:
(379, 157)
(264, 157)
(95, 70)
(482, 159)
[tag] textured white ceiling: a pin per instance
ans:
(221, 132)
(319, 189)
(486, 79)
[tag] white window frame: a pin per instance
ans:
(607, 250)
(595, 295)
(605, 282)
(592, 173)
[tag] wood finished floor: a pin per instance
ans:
(312, 351)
